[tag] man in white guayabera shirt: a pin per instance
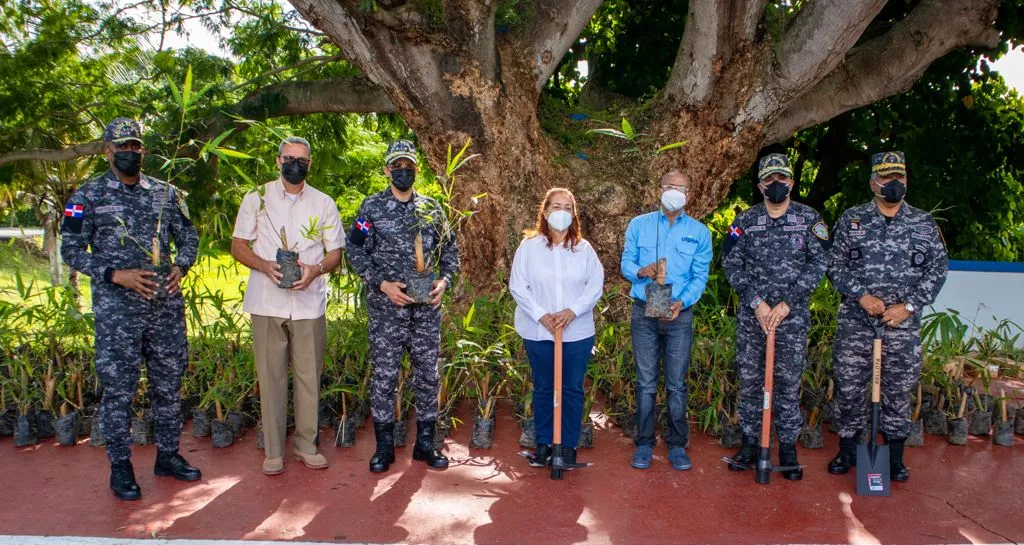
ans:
(556, 282)
(290, 236)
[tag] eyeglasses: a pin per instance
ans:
(304, 161)
(680, 188)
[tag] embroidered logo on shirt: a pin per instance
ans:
(820, 230)
(854, 225)
(735, 232)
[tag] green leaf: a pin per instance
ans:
(673, 145)
(186, 93)
(610, 132)
(174, 92)
(232, 153)
(627, 128)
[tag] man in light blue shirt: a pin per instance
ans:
(685, 245)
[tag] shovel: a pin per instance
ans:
(558, 465)
(872, 458)
(764, 462)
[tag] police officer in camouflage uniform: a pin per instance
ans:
(888, 262)
(108, 230)
(774, 256)
(381, 249)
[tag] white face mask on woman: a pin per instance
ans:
(559, 220)
(673, 200)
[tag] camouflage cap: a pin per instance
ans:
(889, 162)
(400, 149)
(772, 163)
(123, 129)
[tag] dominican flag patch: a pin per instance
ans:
(360, 230)
(73, 214)
(363, 225)
(74, 211)
(735, 232)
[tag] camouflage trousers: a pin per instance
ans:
(393, 331)
(851, 367)
(790, 362)
(125, 337)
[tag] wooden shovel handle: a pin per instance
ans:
(769, 387)
(876, 372)
(557, 424)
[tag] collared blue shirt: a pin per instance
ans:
(686, 246)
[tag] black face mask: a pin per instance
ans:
(893, 191)
(776, 192)
(128, 163)
(294, 172)
(403, 178)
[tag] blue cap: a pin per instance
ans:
(400, 149)
(122, 130)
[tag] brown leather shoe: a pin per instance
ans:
(273, 466)
(312, 461)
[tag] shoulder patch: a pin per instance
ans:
(360, 230)
(73, 217)
(735, 232)
(820, 230)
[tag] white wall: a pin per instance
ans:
(984, 298)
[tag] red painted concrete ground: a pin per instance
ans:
(972, 494)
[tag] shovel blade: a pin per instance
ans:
(873, 470)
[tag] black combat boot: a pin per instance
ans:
(787, 458)
(897, 471)
(122, 481)
(173, 465)
(385, 454)
(541, 456)
(568, 458)
(847, 457)
(747, 455)
(424, 449)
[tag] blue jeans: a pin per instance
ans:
(655, 341)
(575, 356)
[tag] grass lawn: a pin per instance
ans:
(215, 284)
(215, 273)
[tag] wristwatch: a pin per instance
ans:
(910, 307)
(756, 302)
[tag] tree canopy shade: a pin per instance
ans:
(729, 77)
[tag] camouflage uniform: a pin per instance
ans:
(381, 248)
(899, 261)
(774, 260)
(130, 329)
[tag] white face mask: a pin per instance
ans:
(559, 220)
(673, 200)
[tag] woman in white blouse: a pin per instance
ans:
(556, 282)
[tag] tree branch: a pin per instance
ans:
(333, 95)
(352, 94)
(65, 154)
(557, 25)
(819, 38)
(891, 63)
(713, 32)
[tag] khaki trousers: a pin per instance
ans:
(276, 342)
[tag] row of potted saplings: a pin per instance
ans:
(230, 406)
